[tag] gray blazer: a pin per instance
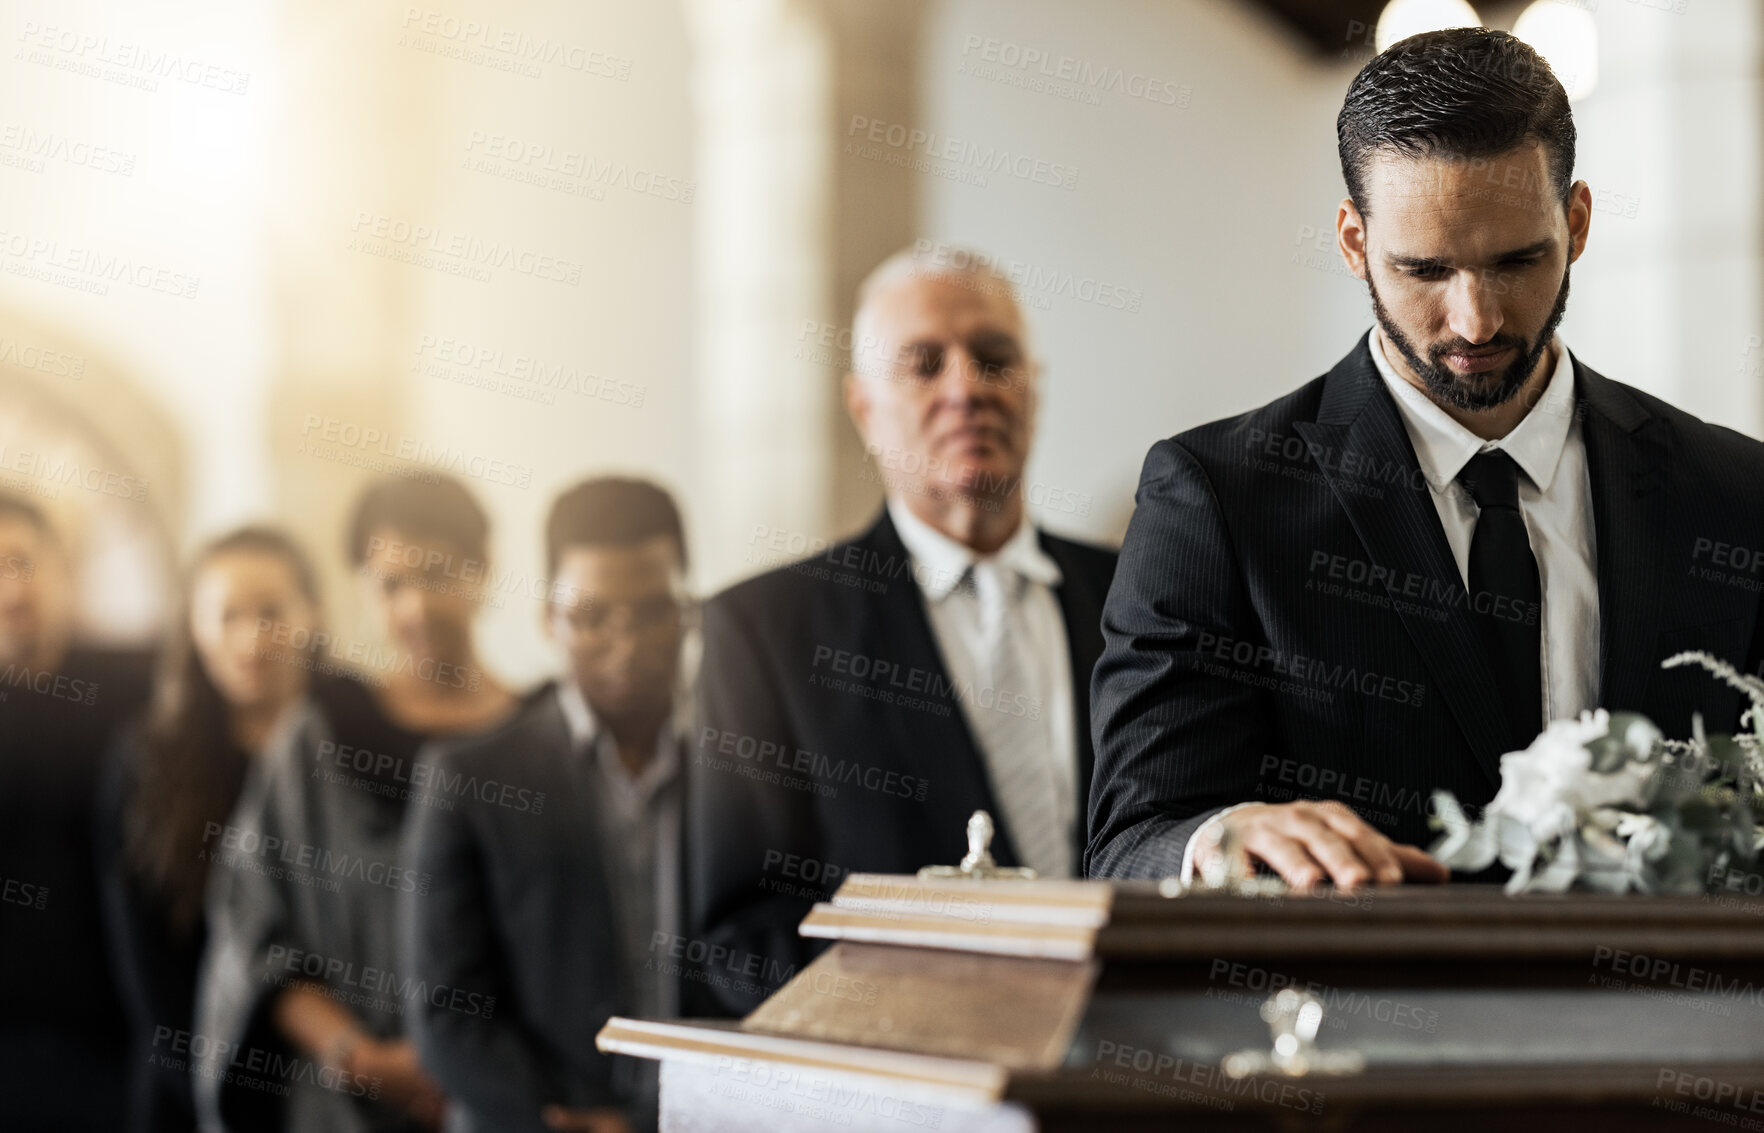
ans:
(302, 887)
(515, 939)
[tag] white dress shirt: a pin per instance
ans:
(957, 623)
(639, 823)
(1555, 499)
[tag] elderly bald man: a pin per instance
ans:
(858, 706)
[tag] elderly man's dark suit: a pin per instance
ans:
(804, 773)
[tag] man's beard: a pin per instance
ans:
(1448, 388)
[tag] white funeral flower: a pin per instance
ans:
(1550, 787)
(1573, 808)
(1646, 839)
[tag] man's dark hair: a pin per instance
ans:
(1463, 93)
(420, 511)
(611, 511)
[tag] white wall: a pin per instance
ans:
(1670, 293)
(1209, 210)
(137, 191)
(251, 180)
(1211, 216)
(625, 329)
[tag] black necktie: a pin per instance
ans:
(1505, 595)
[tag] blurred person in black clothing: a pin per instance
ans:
(63, 1044)
(218, 699)
(547, 897)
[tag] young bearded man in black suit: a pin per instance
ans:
(1370, 589)
(554, 843)
(857, 707)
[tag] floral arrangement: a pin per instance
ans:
(1607, 803)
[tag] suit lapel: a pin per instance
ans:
(1401, 532)
(1081, 610)
(1627, 458)
(902, 634)
(579, 836)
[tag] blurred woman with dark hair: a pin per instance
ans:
(219, 701)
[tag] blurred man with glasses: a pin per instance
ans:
(554, 841)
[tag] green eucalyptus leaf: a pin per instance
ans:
(1700, 816)
(1669, 785)
(1608, 754)
(1641, 740)
(1742, 828)
(1681, 870)
(1728, 758)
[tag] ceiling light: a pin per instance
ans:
(1568, 39)
(1404, 18)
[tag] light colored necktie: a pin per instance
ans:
(1012, 727)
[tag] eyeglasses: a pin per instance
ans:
(599, 620)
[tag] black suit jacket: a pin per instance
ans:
(518, 925)
(830, 741)
(64, 1060)
(1288, 621)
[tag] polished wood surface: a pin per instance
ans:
(1013, 1012)
(1114, 1007)
(1451, 935)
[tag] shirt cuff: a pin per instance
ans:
(1194, 839)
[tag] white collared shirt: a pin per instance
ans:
(1555, 499)
(640, 829)
(959, 625)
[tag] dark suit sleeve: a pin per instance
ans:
(1176, 737)
(738, 816)
(447, 940)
